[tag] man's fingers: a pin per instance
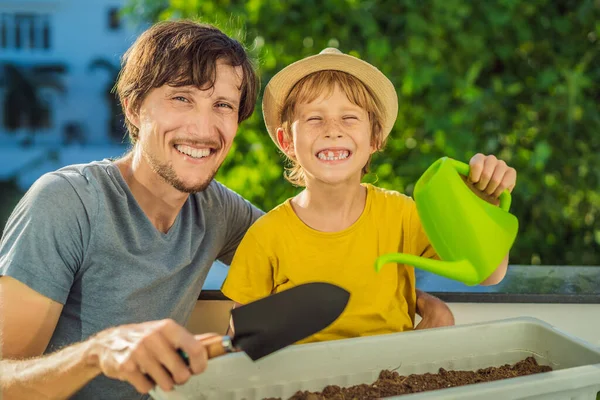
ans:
(152, 365)
(181, 338)
(197, 352)
(129, 371)
(141, 383)
(163, 349)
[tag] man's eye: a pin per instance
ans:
(224, 105)
(181, 98)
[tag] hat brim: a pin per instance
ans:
(282, 83)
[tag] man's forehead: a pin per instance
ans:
(223, 76)
(229, 74)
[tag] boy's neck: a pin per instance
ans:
(329, 208)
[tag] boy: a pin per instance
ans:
(328, 114)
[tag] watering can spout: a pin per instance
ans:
(461, 270)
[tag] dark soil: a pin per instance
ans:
(390, 383)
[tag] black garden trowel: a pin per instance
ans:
(274, 322)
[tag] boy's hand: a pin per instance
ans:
(433, 311)
(489, 177)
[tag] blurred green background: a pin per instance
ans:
(518, 79)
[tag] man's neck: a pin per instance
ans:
(160, 201)
(330, 208)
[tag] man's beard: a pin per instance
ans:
(167, 172)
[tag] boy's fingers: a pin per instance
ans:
(510, 179)
(489, 167)
(497, 179)
(476, 167)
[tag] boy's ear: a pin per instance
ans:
(286, 145)
(131, 114)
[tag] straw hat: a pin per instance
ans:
(282, 83)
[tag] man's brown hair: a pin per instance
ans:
(182, 53)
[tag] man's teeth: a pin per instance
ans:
(333, 155)
(190, 151)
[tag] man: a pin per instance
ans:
(101, 264)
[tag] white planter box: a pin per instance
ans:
(575, 363)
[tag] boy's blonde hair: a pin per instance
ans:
(316, 84)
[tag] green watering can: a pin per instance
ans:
(470, 235)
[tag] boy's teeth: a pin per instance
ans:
(333, 155)
(190, 151)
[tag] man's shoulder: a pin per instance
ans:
(84, 183)
(61, 183)
(218, 196)
(80, 175)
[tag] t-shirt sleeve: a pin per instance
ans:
(45, 238)
(250, 275)
(239, 215)
(422, 246)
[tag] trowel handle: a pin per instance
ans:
(217, 346)
(464, 169)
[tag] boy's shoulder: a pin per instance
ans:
(274, 219)
(382, 195)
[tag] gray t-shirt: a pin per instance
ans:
(79, 237)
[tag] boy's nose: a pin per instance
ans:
(333, 130)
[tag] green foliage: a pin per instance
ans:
(514, 78)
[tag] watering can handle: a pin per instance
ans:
(463, 169)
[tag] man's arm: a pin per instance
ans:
(28, 321)
(238, 214)
(126, 353)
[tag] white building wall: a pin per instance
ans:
(80, 33)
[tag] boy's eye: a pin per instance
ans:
(350, 117)
(181, 98)
(314, 119)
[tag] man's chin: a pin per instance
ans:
(191, 188)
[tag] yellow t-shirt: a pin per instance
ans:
(279, 251)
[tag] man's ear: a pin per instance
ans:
(286, 145)
(132, 115)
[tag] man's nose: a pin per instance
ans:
(201, 124)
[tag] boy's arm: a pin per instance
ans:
(231, 328)
(433, 311)
(250, 275)
(488, 178)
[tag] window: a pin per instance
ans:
(114, 20)
(25, 31)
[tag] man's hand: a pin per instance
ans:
(142, 353)
(433, 311)
(489, 177)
